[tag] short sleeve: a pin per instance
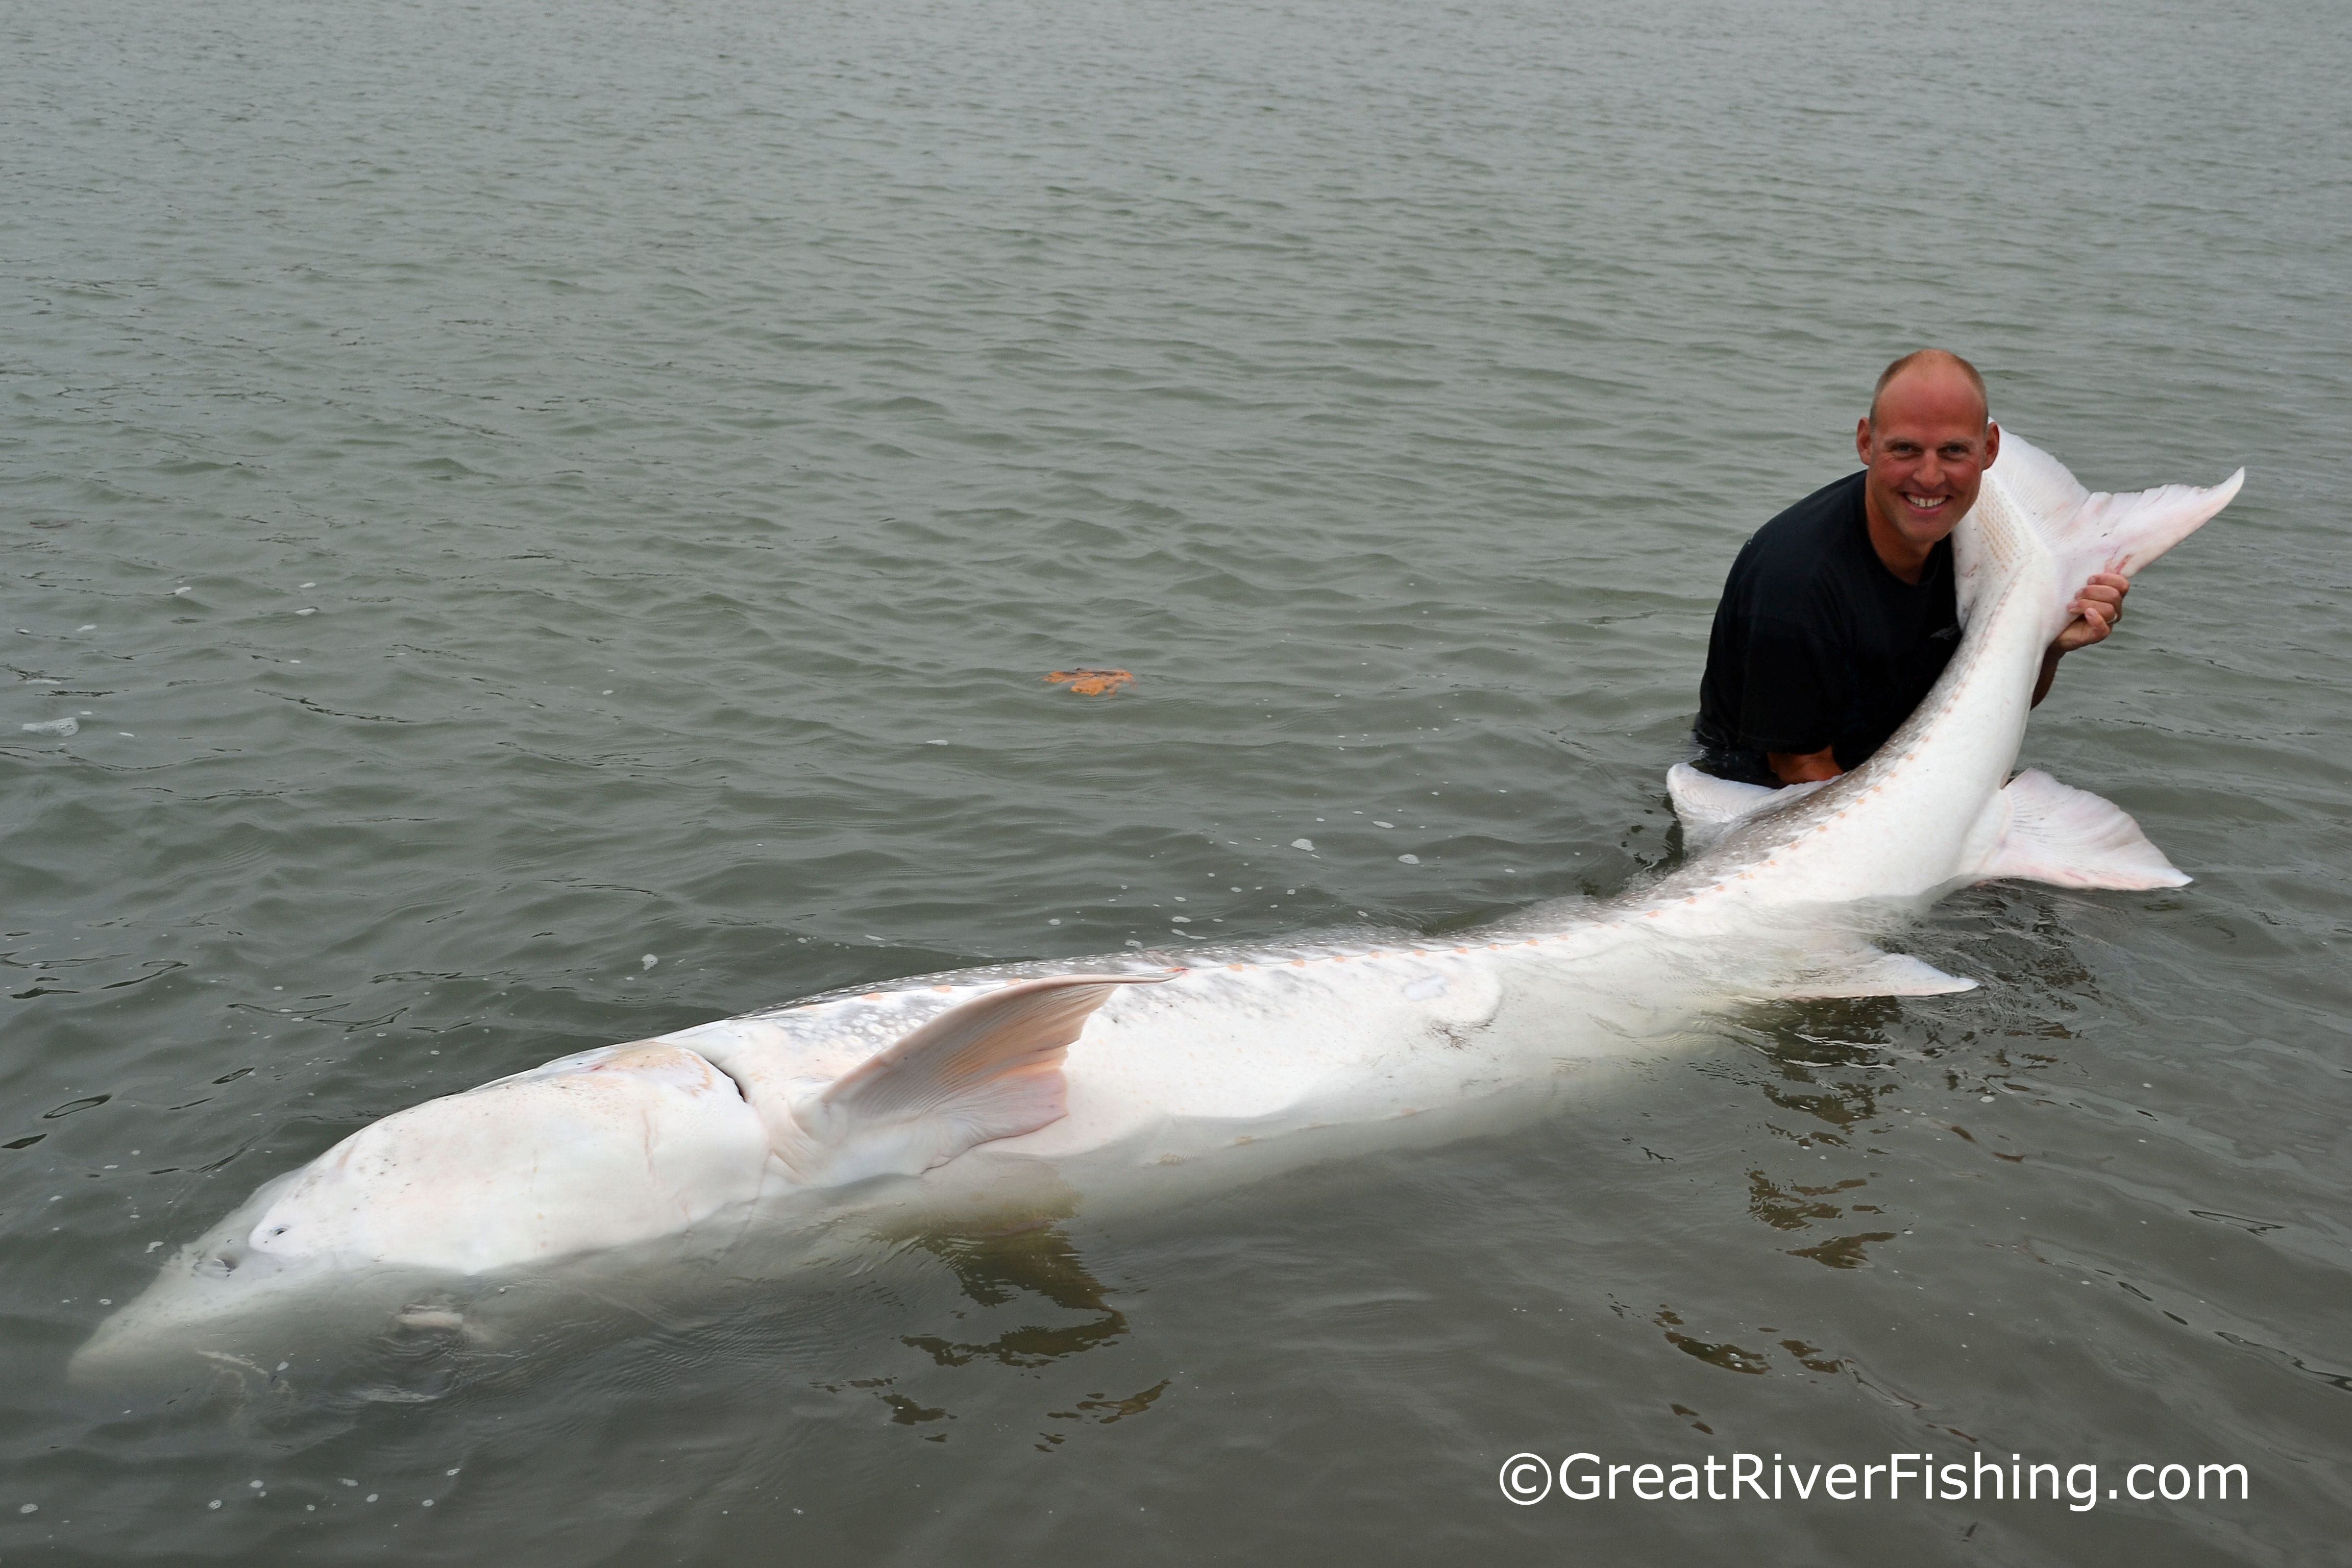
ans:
(1795, 690)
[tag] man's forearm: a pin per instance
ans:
(1805, 767)
(2050, 657)
(2096, 610)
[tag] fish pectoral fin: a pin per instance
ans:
(1862, 969)
(989, 1068)
(2071, 838)
(1709, 807)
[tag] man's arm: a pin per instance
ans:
(1792, 767)
(2095, 611)
(1798, 682)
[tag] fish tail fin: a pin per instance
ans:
(2103, 532)
(2071, 838)
(988, 1069)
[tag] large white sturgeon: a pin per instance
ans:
(1134, 1084)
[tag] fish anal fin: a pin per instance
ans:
(1865, 971)
(988, 1069)
(2071, 838)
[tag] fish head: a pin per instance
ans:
(212, 1297)
(605, 1149)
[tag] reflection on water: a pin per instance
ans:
(1729, 1357)
(1007, 1273)
(1797, 1206)
(1013, 1282)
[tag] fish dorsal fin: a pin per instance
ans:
(2071, 839)
(990, 1067)
(1709, 807)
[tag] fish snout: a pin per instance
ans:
(236, 1260)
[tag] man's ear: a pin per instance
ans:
(1993, 444)
(1862, 440)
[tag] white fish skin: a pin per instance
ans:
(1243, 1062)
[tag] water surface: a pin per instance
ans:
(504, 492)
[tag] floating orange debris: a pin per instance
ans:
(1091, 682)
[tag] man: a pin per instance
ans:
(1839, 614)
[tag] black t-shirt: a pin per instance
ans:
(1817, 644)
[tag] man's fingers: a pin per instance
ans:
(2096, 610)
(2093, 620)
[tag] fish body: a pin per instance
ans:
(1127, 1081)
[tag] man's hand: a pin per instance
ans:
(1803, 767)
(2095, 611)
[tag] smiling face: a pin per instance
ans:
(1928, 443)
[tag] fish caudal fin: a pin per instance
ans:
(2071, 839)
(989, 1068)
(1862, 969)
(2103, 532)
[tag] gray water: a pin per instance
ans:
(504, 491)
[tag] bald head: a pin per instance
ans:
(1926, 443)
(1931, 366)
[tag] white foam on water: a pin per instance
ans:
(67, 726)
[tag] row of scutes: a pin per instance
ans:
(1292, 963)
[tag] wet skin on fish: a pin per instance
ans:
(1121, 1082)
